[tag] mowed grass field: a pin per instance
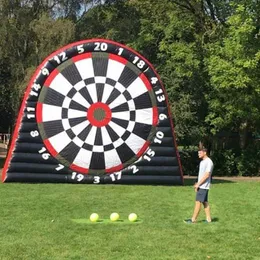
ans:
(36, 222)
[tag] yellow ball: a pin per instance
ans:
(94, 217)
(132, 217)
(114, 217)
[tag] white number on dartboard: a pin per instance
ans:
(160, 97)
(33, 93)
(30, 109)
(159, 137)
(162, 117)
(100, 46)
(120, 51)
(116, 176)
(96, 180)
(34, 133)
(80, 48)
(60, 167)
(149, 154)
(45, 156)
(139, 63)
(30, 116)
(36, 86)
(154, 80)
(134, 168)
(45, 72)
(78, 176)
(60, 57)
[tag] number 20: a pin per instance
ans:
(100, 46)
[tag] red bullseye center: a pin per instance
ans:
(99, 114)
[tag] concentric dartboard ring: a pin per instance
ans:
(96, 112)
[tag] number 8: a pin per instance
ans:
(34, 133)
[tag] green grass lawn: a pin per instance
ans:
(36, 222)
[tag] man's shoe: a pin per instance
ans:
(188, 221)
(206, 221)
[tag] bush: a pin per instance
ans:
(189, 161)
(248, 163)
(224, 163)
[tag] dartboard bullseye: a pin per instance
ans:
(99, 114)
(95, 111)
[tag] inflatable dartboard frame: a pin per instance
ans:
(95, 111)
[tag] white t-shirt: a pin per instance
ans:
(206, 165)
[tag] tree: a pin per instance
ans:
(50, 34)
(27, 35)
(114, 20)
(171, 38)
(15, 47)
(184, 73)
(233, 65)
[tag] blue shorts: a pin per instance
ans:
(202, 195)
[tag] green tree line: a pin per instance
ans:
(206, 52)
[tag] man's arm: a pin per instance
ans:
(203, 179)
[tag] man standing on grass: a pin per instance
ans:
(202, 186)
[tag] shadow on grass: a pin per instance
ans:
(192, 180)
(106, 221)
(213, 220)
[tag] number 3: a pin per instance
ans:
(96, 179)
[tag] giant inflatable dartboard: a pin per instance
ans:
(94, 112)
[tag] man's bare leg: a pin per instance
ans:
(207, 211)
(196, 211)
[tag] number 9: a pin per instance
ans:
(162, 116)
(45, 72)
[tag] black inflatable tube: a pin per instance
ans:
(88, 179)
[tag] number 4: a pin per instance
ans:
(154, 80)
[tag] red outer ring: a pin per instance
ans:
(79, 169)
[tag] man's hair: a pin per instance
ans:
(202, 147)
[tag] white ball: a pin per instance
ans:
(132, 217)
(94, 217)
(114, 216)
